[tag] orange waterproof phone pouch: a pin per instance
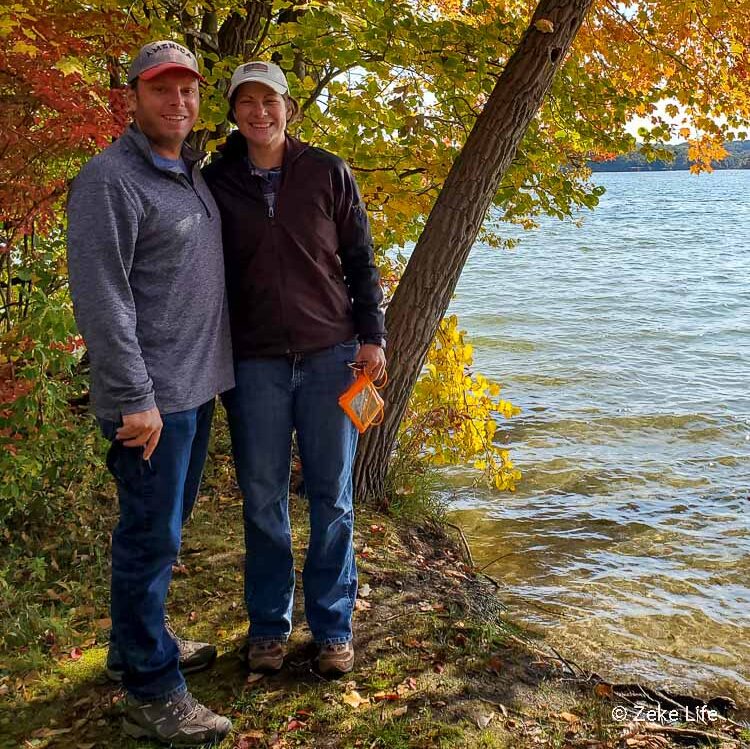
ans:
(363, 403)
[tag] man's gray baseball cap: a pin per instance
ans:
(156, 58)
(261, 72)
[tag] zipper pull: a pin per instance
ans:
(270, 211)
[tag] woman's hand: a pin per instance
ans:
(373, 357)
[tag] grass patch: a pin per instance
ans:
(436, 666)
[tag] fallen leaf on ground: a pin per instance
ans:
(295, 725)
(378, 696)
(249, 739)
(376, 528)
(364, 591)
(360, 605)
(354, 699)
(495, 665)
(569, 717)
(425, 606)
(604, 690)
(254, 676)
(76, 654)
(46, 733)
(453, 573)
(439, 668)
(484, 720)
(105, 623)
(192, 617)
(406, 686)
(179, 569)
(400, 711)
(86, 746)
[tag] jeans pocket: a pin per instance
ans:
(346, 352)
(129, 468)
(348, 345)
(108, 427)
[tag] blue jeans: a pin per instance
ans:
(156, 498)
(272, 398)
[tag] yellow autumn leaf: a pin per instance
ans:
(68, 66)
(25, 48)
(354, 699)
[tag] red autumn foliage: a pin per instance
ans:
(55, 108)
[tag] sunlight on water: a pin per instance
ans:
(627, 345)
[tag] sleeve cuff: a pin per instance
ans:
(374, 340)
(143, 404)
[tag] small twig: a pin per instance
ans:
(666, 699)
(568, 664)
(489, 564)
(577, 671)
(404, 613)
(491, 579)
(687, 733)
(465, 543)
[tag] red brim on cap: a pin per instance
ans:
(165, 67)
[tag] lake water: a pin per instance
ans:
(626, 343)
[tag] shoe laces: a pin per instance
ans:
(170, 631)
(336, 647)
(186, 708)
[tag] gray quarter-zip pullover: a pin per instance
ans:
(147, 280)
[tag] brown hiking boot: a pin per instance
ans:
(180, 721)
(194, 656)
(265, 657)
(336, 659)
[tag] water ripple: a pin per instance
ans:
(627, 345)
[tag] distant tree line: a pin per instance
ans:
(738, 158)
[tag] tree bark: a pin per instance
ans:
(430, 278)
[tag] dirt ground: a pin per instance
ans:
(437, 663)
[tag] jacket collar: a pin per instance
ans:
(135, 139)
(235, 148)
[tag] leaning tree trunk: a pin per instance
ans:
(430, 278)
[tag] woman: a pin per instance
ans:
(305, 305)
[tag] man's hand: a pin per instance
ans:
(373, 358)
(141, 429)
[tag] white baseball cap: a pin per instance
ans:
(262, 72)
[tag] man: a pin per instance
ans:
(147, 281)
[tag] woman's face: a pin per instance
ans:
(261, 115)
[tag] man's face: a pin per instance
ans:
(261, 115)
(166, 108)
